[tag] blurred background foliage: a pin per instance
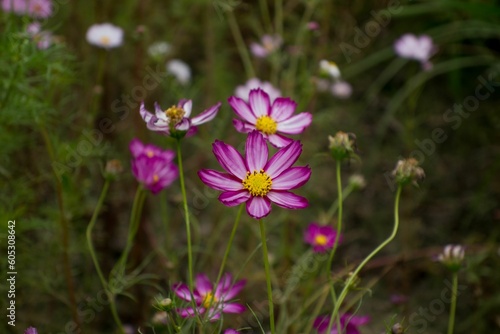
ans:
(52, 100)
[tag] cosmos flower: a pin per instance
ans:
(255, 179)
(329, 68)
(244, 90)
(216, 301)
(341, 89)
(269, 119)
(348, 322)
(452, 256)
(31, 330)
(152, 166)
(158, 50)
(35, 8)
(230, 331)
(43, 39)
(269, 44)
(180, 70)
(320, 237)
(419, 48)
(175, 121)
(105, 35)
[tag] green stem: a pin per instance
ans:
(352, 277)
(335, 205)
(186, 214)
(99, 89)
(90, 227)
(451, 321)
(278, 17)
(268, 274)
(265, 14)
(240, 43)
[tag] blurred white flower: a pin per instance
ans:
(159, 49)
(105, 35)
(329, 68)
(419, 48)
(269, 44)
(180, 70)
(341, 89)
(243, 91)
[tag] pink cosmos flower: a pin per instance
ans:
(152, 166)
(230, 331)
(270, 43)
(34, 8)
(419, 48)
(255, 180)
(269, 119)
(320, 237)
(175, 121)
(341, 89)
(349, 323)
(216, 301)
(243, 91)
(31, 330)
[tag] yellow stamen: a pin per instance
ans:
(150, 154)
(266, 125)
(257, 183)
(175, 114)
(155, 178)
(320, 240)
(209, 300)
(105, 40)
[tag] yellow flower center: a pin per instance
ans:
(209, 300)
(155, 178)
(257, 183)
(320, 240)
(175, 114)
(266, 125)
(105, 40)
(150, 154)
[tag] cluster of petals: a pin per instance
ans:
(348, 322)
(215, 300)
(255, 179)
(321, 238)
(175, 121)
(105, 35)
(419, 48)
(243, 91)
(268, 45)
(152, 166)
(272, 120)
(35, 8)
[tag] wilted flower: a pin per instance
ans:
(408, 171)
(348, 322)
(113, 168)
(175, 121)
(180, 70)
(419, 48)
(35, 8)
(342, 145)
(159, 49)
(320, 237)
(153, 166)
(31, 330)
(216, 301)
(452, 256)
(270, 43)
(255, 180)
(243, 91)
(259, 114)
(341, 89)
(329, 68)
(105, 35)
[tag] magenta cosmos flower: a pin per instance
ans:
(255, 180)
(175, 121)
(320, 237)
(348, 322)
(216, 301)
(259, 114)
(35, 8)
(152, 166)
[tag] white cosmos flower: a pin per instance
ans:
(180, 70)
(329, 68)
(105, 35)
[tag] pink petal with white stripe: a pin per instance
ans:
(283, 159)
(256, 151)
(233, 198)
(258, 207)
(292, 178)
(233, 308)
(242, 126)
(220, 181)
(282, 109)
(230, 159)
(242, 109)
(203, 284)
(207, 115)
(295, 124)
(259, 102)
(287, 200)
(278, 140)
(186, 105)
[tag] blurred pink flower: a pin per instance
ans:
(341, 89)
(243, 91)
(270, 43)
(175, 121)
(152, 166)
(43, 39)
(35, 8)
(313, 25)
(31, 330)
(322, 238)
(348, 322)
(255, 179)
(216, 301)
(419, 48)
(259, 114)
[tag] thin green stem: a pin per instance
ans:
(240, 43)
(90, 227)
(98, 88)
(186, 214)
(265, 14)
(268, 274)
(352, 277)
(278, 17)
(335, 205)
(451, 321)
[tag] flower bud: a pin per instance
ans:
(354, 281)
(452, 257)
(342, 145)
(357, 181)
(407, 171)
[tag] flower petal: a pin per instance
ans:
(256, 151)
(159, 112)
(243, 126)
(183, 125)
(219, 181)
(207, 115)
(203, 284)
(146, 115)
(287, 199)
(282, 109)
(283, 159)
(233, 308)
(182, 291)
(295, 124)
(233, 198)
(259, 102)
(242, 109)
(187, 106)
(233, 290)
(190, 312)
(230, 159)
(136, 147)
(258, 207)
(278, 140)
(291, 178)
